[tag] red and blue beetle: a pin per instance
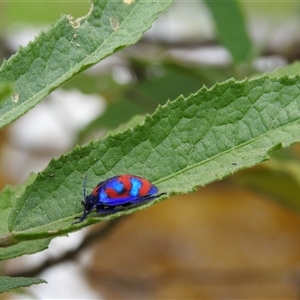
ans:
(122, 190)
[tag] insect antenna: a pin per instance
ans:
(84, 187)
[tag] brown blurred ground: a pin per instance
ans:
(221, 242)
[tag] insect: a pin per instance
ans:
(122, 190)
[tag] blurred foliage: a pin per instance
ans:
(39, 12)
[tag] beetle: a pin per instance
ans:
(121, 190)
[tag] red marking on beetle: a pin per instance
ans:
(145, 188)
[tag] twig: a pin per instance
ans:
(71, 254)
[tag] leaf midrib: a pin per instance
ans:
(163, 179)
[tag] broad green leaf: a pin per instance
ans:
(70, 46)
(10, 283)
(185, 144)
(231, 28)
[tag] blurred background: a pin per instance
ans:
(238, 238)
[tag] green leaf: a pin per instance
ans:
(231, 29)
(71, 46)
(42, 12)
(24, 247)
(8, 197)
(10, 283)
(185, 144)
(6, 90)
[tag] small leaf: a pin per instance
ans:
(185, 144)
(10, 283)
(23, 247)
